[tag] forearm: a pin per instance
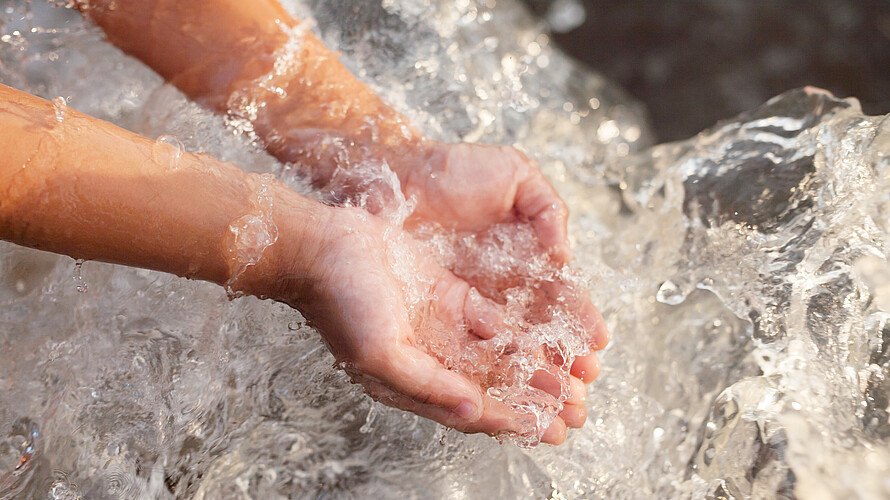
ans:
(85, 188)
(256, 63)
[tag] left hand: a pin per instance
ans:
(394, 317)
(470, 187)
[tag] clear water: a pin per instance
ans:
(742, 273)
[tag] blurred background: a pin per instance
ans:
(694, 62)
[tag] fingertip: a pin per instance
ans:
(601, 335)
(484, 316)
(578, 394)
(556, 433)
(547, 382)
(468, 410)
(574, 415)
(595, 323)
(561, 253)
(587, 368)
(469, 405)
(550, 225)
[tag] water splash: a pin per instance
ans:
(60, 105)
(251, 234)
(769, 379)
(79, 283)
(167, 151)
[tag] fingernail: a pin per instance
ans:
(465, 410)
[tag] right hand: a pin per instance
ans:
(346, 287)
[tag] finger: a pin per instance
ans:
(389, 397)
(457, 302)
(577, 391)
(586, 368)
(594, 322)
(484, 316)
(418, 376)
(547, 382)
(539, 202)
(497, 417)
(577, 300)
(574, 415)
(556, 433)
(574, 412)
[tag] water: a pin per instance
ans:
(742, 274)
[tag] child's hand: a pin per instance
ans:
(349, 284)
(469, 187)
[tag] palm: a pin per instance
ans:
(376, 324)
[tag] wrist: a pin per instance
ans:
(419, 170)
(272, 252)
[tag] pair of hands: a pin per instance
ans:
(360, 304)
(341, 277)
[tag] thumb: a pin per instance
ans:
(421, 378)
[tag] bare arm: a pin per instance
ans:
(223, 54)
(253, 60)
(75, 185)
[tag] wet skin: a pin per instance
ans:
(214, 50)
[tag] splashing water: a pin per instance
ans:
(60, 105)
(742, 273)
(79, 283)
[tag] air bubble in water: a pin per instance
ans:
(670, 294)
(443, 439)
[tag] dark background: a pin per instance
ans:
(693, 62)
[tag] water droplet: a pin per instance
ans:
(139, 363)
(496, 392)
(60, 104)
(167, 151)
(709, 455)
(369, 420)
(79, 282)
(670, 294)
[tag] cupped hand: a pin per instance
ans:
(470, 187)
(485, 194)
(375, 303)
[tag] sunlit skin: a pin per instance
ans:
(86, 188)
(336, 270)
(216, 49)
